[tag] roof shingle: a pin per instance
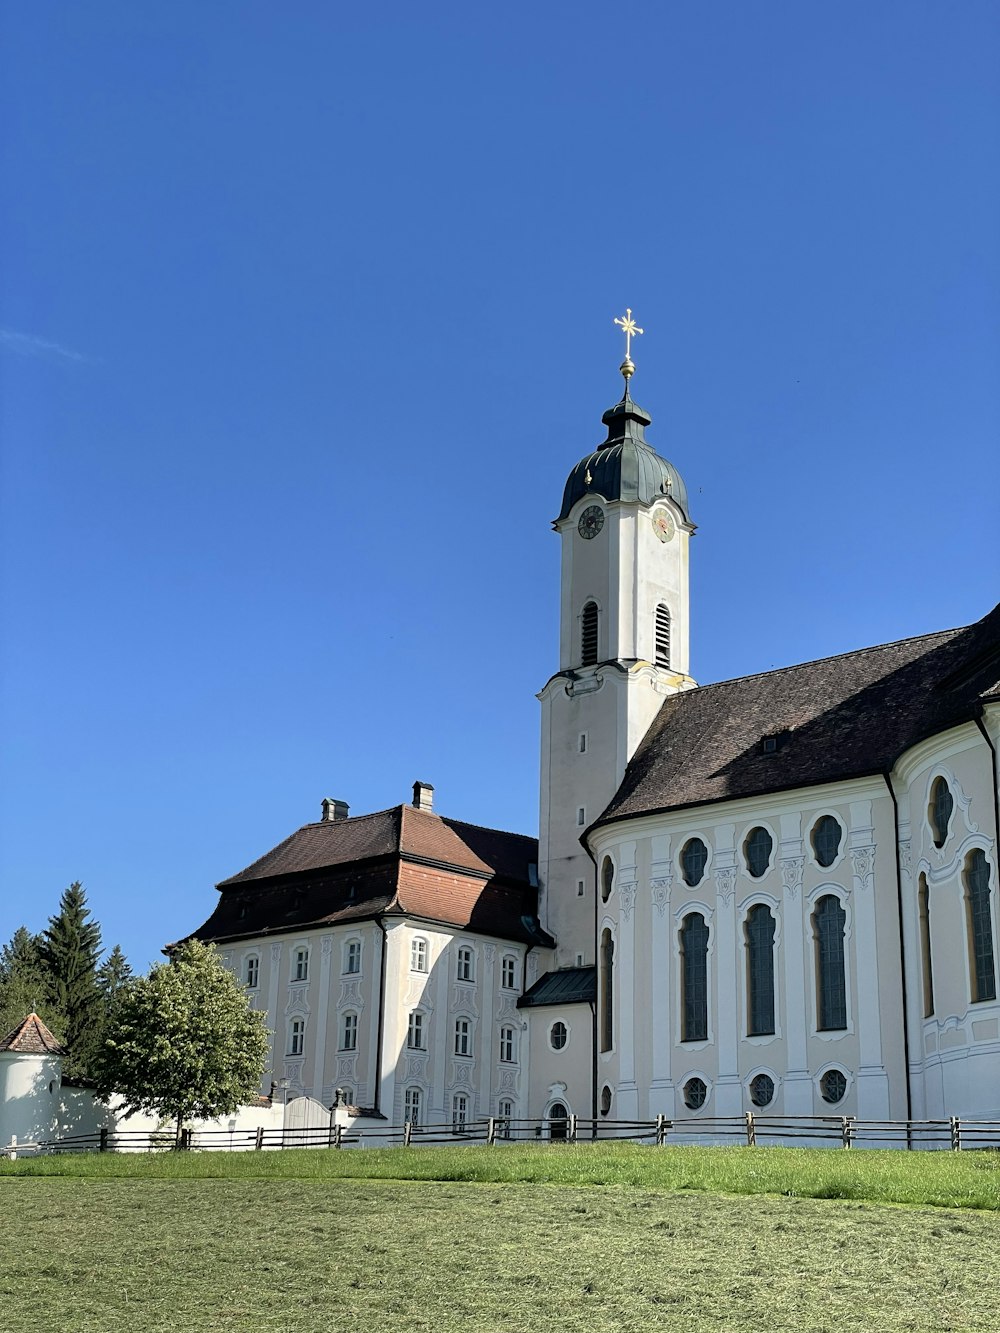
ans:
(32, 1037)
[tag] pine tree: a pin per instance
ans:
(113, 974)
(70, 949)
(25, 985)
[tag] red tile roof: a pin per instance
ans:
(32, 1037)
(399, 861)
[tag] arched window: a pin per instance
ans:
(558, 1115)
(463, 1036)
(251, 972)
(662, 636)
(588, 635)
(607, 878)
(757, 850)
(418, 954)
(459, 1113)
(694, 858)
(352, 957)
(465, 965)
(826, 836)
(607, 990)
(694, 978)
(759, 928)
(507, 1045)
(349, 1034)
(942, 804)
(829, 920)
(924, 915)
(411, 1106)
(977, 908)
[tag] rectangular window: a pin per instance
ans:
(252, 973)
(508, 973)
(411, 1106)
(352, 957)
(507, 1045)
(505, 1117)
(583, 742)
(580, 886)
(465, 964)
(579, 960)
(418, 954)
(296, 1036)
(349, 1036)
(581, 816)
(694, 978)
(415, 1032)
(459, 1113)
(300, 965)
(463, 1037)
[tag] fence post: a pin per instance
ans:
(259, 1142)
(751, 1130)
(185, 1140)
(845, 1130)
(572, 1129)
(103, 1145)
(407, 1133)
(491, 1132)
(338, 1136)
(661, 1130)
(956, 1134)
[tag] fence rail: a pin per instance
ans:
(752, 1129)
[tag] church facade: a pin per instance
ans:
(773, 893)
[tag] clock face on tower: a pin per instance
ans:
(663, 524)
(591, 522)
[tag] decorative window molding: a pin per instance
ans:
(466, 968)
(508, 1045)
(463, 1036)
(352, 957)
(940, 808)
(558, 1035)
(251, 971)
(349, 1032)
(695, 1092)
(829, 923)
(826, 840)
(693, 861)
(761, 1088)
(296, 1036)
(508, 972)
(459, 1113)
(832, 1085)
(418, 953)
(979, 926)
(415, 1035)
(607, 878)
(758, 851)
(411, 1105)
(300, 963)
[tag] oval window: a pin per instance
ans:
(557, 1036)
(942, 804)
(695, 1093)
(757, 850)
(762, 1090)
(833, 1085)
(694, 858)
(607, 878)
(826, 836)
(605, 1100)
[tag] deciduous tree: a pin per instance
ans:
(183, 1041)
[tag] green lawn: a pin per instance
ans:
(570, 1239)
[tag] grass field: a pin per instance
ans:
(590, 1238)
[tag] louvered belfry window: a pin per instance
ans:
(588, 635)
(662, 636)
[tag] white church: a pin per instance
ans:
(775, 892)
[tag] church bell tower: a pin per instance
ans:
(623, 646)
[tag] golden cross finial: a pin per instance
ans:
(628, 327)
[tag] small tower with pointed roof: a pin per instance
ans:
(30, 1082)
(625, 529)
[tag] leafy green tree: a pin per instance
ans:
(25, 985)
(70, 950)
(183, 1041)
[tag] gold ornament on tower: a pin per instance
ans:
(629, 328)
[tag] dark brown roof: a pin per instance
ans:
(840, 717)
(570, 985)
(32, 1037)
(399, 861)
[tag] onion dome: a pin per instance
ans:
(624, 467)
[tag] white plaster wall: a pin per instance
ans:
(564, 1075)
(30, 1096)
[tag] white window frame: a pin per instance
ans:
(508, 966)
(300, 964)
(466, 968)
(415, 1029)
(419, 954)
(251, 971)
(412, 1099)
(459, 1113)
(297, 1037)
(352, 954)
(560, 1022)
(508, 1044)
(349, 1031)
(505, 1114)
(463, 1036)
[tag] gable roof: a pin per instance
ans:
(402, 861)
(32, 1037)
(840, 717)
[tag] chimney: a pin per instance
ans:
(333, 810)
(423, 796)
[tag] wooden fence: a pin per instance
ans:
(751, 1129)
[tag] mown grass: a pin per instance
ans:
(935, 1179)
(145, 1254)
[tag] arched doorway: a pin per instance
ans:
(558, 1117)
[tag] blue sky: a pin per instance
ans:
(306, 313)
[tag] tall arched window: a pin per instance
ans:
(662, 636)
(759, 929)
(694, 978)
(588, 635)
(942, 804)
(607, 989)
(923, 912)
(829, 920)
(977, 907)
(607, 878)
